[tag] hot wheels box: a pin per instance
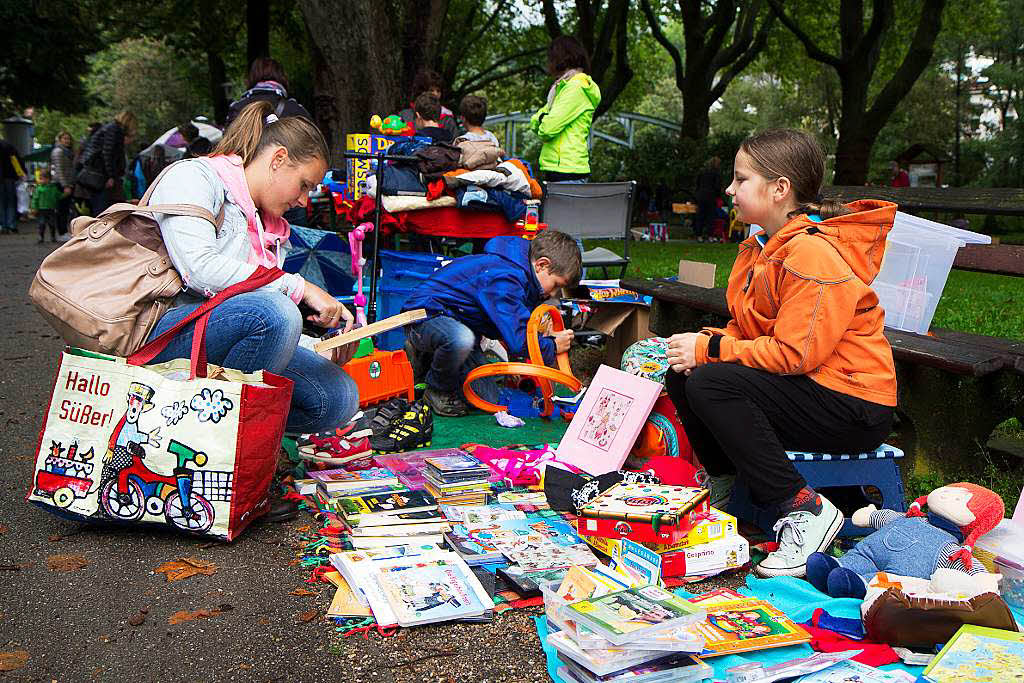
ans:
(715, 526)
(359, 169)
(706, 558)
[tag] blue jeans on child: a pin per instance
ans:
(260, 331)
(454, 351)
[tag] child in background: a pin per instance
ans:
(473, 110)
(428, 113)
(491, 295)
(803, 364)
(44, 205)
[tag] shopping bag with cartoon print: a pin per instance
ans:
(185, 444)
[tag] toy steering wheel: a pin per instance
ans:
(535, 368)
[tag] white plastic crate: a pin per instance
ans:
(918, 257)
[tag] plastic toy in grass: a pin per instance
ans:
(534, 369)
(391, 125)
(355, 247)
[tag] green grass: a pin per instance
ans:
(971, 302)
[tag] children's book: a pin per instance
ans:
(364, 542)
(423, 594)
(340, 479)
(527, 583)
(456, 467)
(355, 565)
(403, 518)
(978, 653)
(605, 427)
(487, 542)
(360, 510)
(345, 603)
(547, 555)
(432, 528)
(633, 614)
(475, 515)
(489, 581)
(746, 625)
(641, 562)
(654, 513)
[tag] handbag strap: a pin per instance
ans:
(261, 276)
(170, 209)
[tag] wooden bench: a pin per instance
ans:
(954, 387)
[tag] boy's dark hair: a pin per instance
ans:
(424, 80)
(564, 53)
(473, 109)
(189, 131)
(563, 253)
(428, 107)
(200, 147)
(266, 69)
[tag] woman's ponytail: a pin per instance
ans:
(256, 127)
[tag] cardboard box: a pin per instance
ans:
(359, 169)
(624, 324)
(706, 558)
(697, 273)
(716, 526)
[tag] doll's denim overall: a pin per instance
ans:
(909, 547)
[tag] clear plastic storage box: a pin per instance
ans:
(918, 257)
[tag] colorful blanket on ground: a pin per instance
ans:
(797, 598)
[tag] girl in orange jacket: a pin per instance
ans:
(803, 363)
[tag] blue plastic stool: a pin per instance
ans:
(825, 470)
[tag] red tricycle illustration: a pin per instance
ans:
(133, 490)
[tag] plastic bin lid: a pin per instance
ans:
(965, 236)
(1006, 541)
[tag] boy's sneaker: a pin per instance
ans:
(445, 404)
(801, 533)
(414, 429)
(387, 413)
(356, 428)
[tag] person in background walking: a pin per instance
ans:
(105, 152)
(708, 191)
(11, 170)
(62, 160)
(563, 123)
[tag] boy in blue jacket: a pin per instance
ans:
(487, 295)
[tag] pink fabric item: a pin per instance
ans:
(518, 468)
(276, 230)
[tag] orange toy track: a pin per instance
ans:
(535, 368)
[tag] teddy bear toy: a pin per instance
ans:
(912, 543)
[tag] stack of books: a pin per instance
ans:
(530, 544)
(392, 519)
(415, 584)
(338, 482)
(636, 633)
(457, 479)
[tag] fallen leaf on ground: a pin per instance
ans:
(184, 615)
(66, 563)
(54, 538)
(3, 528)
(184, 568)
(137, 618)
(308, 615)
(301, 591)
(9, 661)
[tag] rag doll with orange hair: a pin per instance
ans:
(912, 543)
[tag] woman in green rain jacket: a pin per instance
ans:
(563, 123)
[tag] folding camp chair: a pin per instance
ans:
(592, 211)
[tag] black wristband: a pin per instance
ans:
(714, 345)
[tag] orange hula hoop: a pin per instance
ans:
(536, 368)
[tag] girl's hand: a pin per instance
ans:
(682, 351)
(328, 311)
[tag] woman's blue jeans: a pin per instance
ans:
(260, 331)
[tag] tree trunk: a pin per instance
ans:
(358, 71)
(696, 120)
(218, 77)
(257, 23)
